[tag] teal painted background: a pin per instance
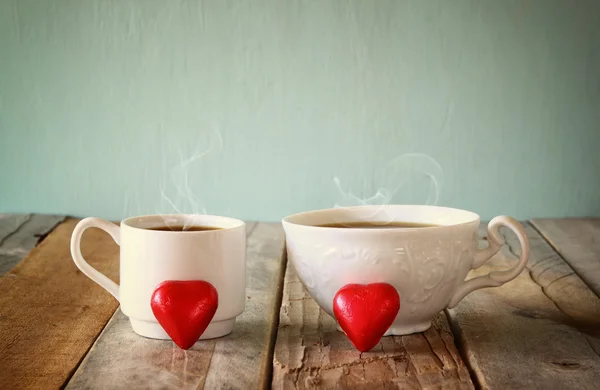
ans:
(100, 101)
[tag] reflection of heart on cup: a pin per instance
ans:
(184, 309)
(365, 312)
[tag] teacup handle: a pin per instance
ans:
(494, 278)
(83, 265)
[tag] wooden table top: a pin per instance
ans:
(60, 329)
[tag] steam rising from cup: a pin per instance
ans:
(185, 200)
(394, 177)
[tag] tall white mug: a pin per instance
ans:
(150, 257)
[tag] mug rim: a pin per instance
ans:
(470, 217)
(233, 223)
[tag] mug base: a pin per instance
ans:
(153, 330)
(402, 330)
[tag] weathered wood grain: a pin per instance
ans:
(20, 233)
(311, 353)
(244, 360)
(539, 331)
(50, 313)
(578, 241)
(241, 360)
(10, 223)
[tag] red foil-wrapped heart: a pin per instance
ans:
(366, 312)
(184, 309)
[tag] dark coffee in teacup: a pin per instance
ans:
(375, 225)
(183, 228)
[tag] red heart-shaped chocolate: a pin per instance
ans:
(184, 309)
(366, 312)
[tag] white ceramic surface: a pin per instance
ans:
(149, 257)
(427, 266)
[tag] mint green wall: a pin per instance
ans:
(96, 98)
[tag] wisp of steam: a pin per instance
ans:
(185, 200)
(396, 176)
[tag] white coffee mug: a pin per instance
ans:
(149, 257)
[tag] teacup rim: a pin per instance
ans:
(474, 218)
(235, 223)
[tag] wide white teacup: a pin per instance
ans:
(426, 265)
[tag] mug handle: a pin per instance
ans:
(88, 270)
(494, 278)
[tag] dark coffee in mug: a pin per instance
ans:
(181, 228)
(375, 225)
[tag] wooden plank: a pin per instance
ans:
(311, 353)
(20, 233)
(50, 313)
(241, 360)
(540, 331)
(578, 242)
(244, 359)
(10, 223)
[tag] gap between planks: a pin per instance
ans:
(268, 369)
